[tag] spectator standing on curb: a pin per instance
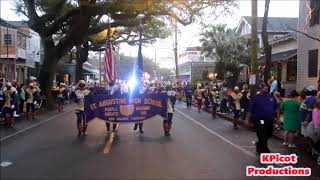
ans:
(188, 92)
(236, 96)
(274, 85)
(277, 95)
(244, 101)
(262, 109)
(307, 107)
(22, 97)
(291, 121)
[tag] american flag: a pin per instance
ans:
(109, 65)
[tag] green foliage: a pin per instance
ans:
(229, 48)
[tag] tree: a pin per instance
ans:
(74, 20)
(254, 45)
(230, 49)
(267, 49)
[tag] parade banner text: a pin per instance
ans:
(123, 108)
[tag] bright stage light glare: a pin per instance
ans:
(132, 83)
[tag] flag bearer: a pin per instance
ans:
(80, 94)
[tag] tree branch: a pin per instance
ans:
(306, 34)
(31, 11)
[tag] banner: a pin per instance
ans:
(122, 108)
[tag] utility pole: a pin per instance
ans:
(155, 62)
(7, 43)
(175, 49)
(254, 47)
(100, 67)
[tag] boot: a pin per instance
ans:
(169, 127)
(11, 121)
(84, 129)
(114, 127)
(165, 128)
(140, 128)
(235, 123)
(108, 126)
(79, 126)
(135, 126)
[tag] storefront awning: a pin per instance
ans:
(278, 57)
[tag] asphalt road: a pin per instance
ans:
(199, 148)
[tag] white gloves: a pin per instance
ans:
(12, 106)
(80, 96)
(35, 102)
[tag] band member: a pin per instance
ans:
(167, 122)
(32, 95)
(198, 97)
(112, 89)
(80, 94)
(214, 101)
(236, 97)
(9, 104)
(62, 94)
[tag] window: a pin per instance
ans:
(313, 63)
(21, 40)
(291, 70)
(7, 39)
(315, 14)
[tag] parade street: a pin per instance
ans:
(198, 148)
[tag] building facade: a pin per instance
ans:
(19, 52)
(194, 65)
(308, 49)
(284, 61)
(276, 27)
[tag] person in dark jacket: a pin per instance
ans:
(244, 101)
(262, 109)
(188, 92)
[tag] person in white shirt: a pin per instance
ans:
(80, 95)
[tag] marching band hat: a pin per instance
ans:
(8, 84)
(82, 82)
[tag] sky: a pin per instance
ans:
(188, 36)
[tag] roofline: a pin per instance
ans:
(9, 25)
(242, 20)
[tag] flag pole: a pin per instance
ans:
(100, 67)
